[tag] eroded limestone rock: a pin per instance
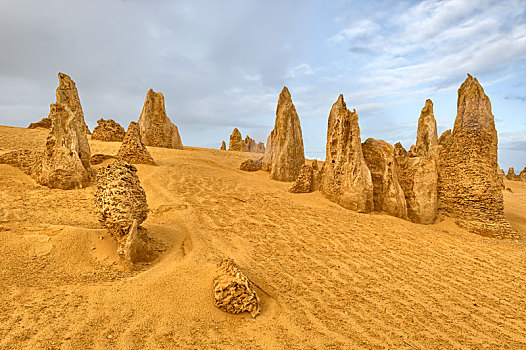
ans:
(236, 141)
(468, 185)
(68, 95)
(427, 131)
(511, 175)
(284, 155)
(132, 149)
(43, 123)
(223, 146)
(346, 179)
(233, 292)
(108, 130)
(30, 162)
(388, 196)
(251, 165)
(156, 128)
(304, 181)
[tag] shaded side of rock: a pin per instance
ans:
(132, 149)
(522, 175)
(468, 184)
(43, 123)
(100, 158)
(304, 181)
(285, 156)
(249, 144)
(108, 130)
(251, 165)
(120, 198)
(156, 128)
(135, 247)
(346, 179)
(388, 196)
(511, 174)
(445, 138)
(223, 146)
(233, 292)
(260, 147)
(418, 178)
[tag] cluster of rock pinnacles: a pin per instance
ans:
(456, 175)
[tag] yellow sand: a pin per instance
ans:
(328, 278)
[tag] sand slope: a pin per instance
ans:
(329, 278)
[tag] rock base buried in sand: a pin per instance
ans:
(135, 248)
(233, 292)
(304, 181)
(251, 165)
(30, 162)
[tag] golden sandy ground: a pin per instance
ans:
(329, 278)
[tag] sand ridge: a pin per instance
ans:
(329, 278)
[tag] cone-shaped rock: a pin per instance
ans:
(388, 196)
(304, 181)
(522, 175)
(260, 147)
(132, 149)
(223, 146)
(418, 178)
(108, 130)
(68, 95)
(236, 141)
(249, 144)
(427, 130)
(346, 179)
(468, 184)
(284, 155)
(156, 128)
(511, 174)
(66, 159)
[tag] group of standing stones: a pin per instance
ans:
(238, 144)
(513, 177)
(452, 176)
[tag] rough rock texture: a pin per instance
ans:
(233, 292)
(132, 149)
(66, 159)
(68, 95)
(346, 179)
(284, 155)
(522, 175)
(427, 131)
(418, 177)
(388, 196)
(511, 175)
(30, 162)
(236, 141)
(99, 158)
(304, 181)
(260, 147)
(445, 138)
(251, 165)
(502, 176)
(108, 130)
(43, 123)
(120, 198)
(135, 248)
(223, 146)
(468, 185)
(156, 128)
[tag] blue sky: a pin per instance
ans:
(222, 64)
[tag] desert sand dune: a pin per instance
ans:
(329, 278)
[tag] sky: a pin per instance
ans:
(222, 64)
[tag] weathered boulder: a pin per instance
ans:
(156, 128)
(418, 178)
(132, 149)
(30, 162)
(120, 198)
(108, 130)
(284, 155)
(427, 131)
(66, 158)
(388, 196)
(223, 146)
(511, 175)
(43, 123)
(251, 165)
(68, 95)
(233, 292)
(346, 179)
(468, 185)
(304, 181)
(236, 141)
